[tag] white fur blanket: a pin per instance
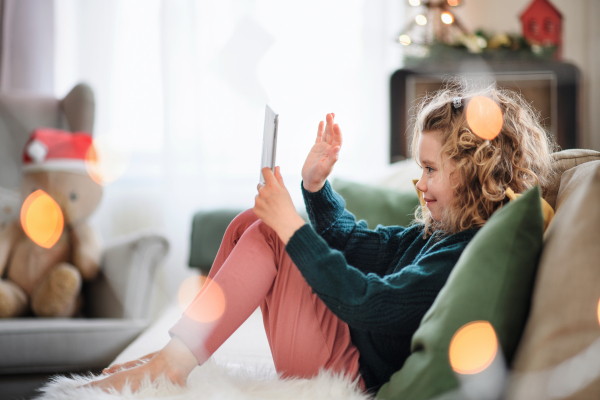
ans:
(214, 381)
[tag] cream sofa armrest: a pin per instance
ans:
(123, 288)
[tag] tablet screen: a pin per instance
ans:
(269, 141)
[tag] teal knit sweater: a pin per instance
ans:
(380, 282)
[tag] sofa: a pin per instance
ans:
(545, 340)
(116, 303)
(542, 309)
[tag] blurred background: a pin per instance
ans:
(181, 86)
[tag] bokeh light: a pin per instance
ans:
(106, 161)
(421, 19)
(42, 219)
(189, 289)
(473, 348)
(404, 39)
(447, 18)
(414, 3)
(211, 305)
(484, 117)
(453, 3)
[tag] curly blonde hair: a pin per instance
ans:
(518, 158)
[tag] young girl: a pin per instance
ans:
(335, 295)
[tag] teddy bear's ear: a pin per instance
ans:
(78, 106)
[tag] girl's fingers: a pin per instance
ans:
(320, 132)
(278, 176)
(336, 153)
(268, 175)
(337, 135)
(118, 367)
(328, 129)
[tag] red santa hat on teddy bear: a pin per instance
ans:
(57, 150)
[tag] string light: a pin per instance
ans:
(447, 18)
(404, 39)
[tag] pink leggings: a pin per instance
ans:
(252, 268)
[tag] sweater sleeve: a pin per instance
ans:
(367, 250)
(393, 304)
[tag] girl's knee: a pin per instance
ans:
(249, 225)
(247, 215)
(264, 229)
(241, 222)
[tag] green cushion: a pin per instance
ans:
(208, 228)
(377, 205)
(492, 281)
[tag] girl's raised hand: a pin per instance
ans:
(323, 155)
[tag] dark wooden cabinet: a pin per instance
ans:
(550, 87)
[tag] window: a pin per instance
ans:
(549, 26)
(533, 27)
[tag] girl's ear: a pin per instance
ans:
(454, 179)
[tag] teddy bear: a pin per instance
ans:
(41, 279)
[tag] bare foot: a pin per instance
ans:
(133, 377)
(175, 362)
(129, 364)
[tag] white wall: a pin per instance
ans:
(581, 46)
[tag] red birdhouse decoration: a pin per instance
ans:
(542, 25)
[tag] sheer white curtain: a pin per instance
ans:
(181, 87)
(26, 46)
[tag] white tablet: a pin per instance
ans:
(269, 141)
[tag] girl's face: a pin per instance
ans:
(434, 183)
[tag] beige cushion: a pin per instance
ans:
(563, 161)
(572, 179)
(553, 359)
